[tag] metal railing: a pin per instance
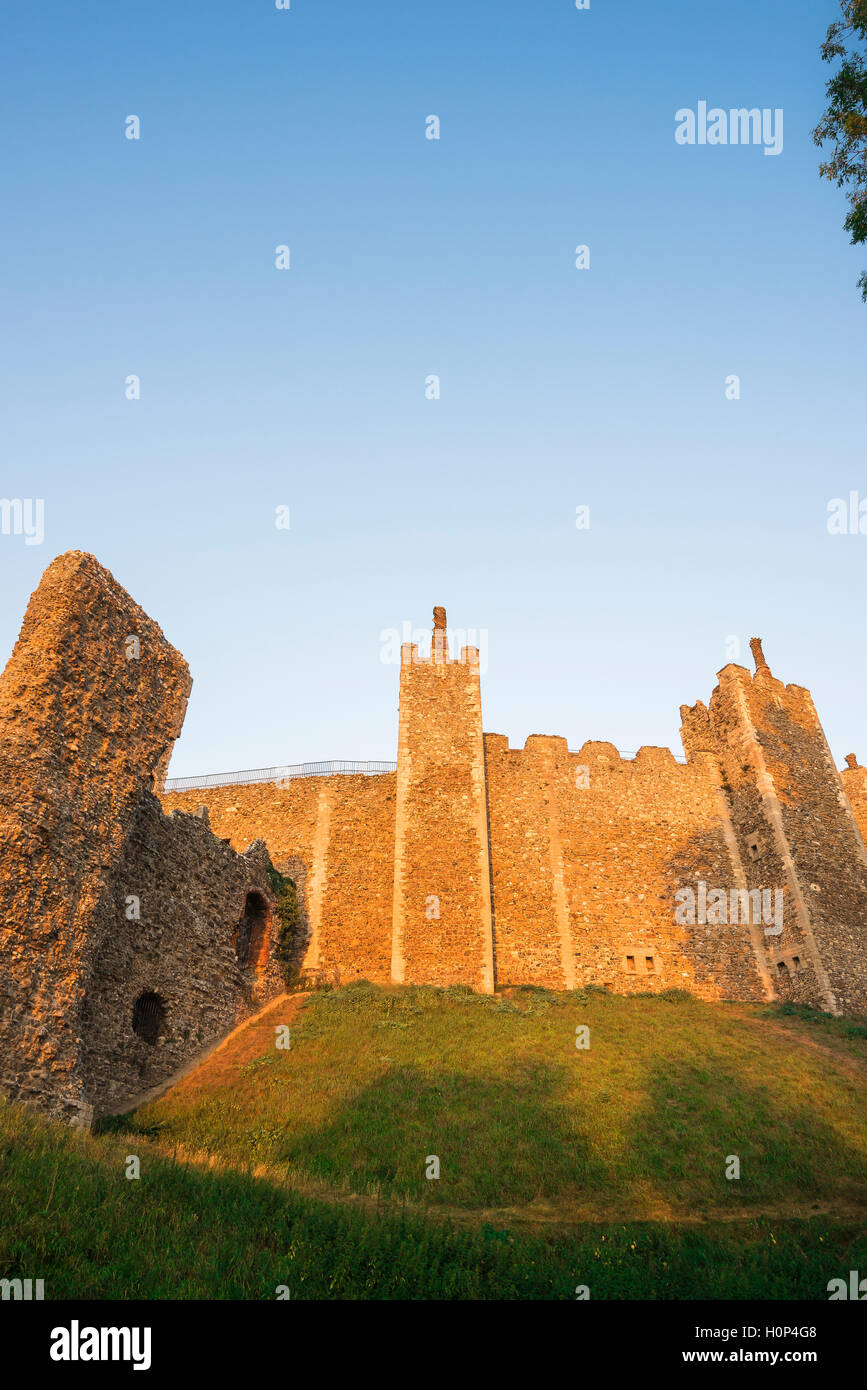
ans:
(335, 767)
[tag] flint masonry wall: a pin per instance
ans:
(588, 852)
(795, 829)
(475, 864)
(393, 869)
(483, 863)
(636, 834)
(82, 730)
(335, 837)
(91, 701)
(528, 897)
(854, 778)
(191, 891)
(441, 919)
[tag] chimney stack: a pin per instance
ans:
(439, 645)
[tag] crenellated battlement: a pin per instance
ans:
(584, 850)
(544, 863)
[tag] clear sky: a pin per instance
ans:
(304, 388)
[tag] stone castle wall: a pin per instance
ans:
(334, 836)
(795, 827)
(854, 779)
(588, 852)
(135, 932)
(91, 701)
(442, 932)
(489, 865)
(191, 891)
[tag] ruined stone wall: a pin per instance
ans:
(87, 719)
(291, 819)
(189, 890)
(91, 701)
(588, 851)
(334, 836)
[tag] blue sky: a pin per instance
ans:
(559, 387)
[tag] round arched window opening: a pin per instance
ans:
(149, 1017)
(251, 939)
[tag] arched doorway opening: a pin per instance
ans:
(149, 1017)
(251, 938)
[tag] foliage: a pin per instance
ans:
(288, 922)
(845, 120)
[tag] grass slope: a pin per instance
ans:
(559, 1166)
(641, 1122)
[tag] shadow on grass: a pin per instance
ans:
(674, 1093)
(71, 1217)
(499, 1141)
(507, 1142)
(700, 1116)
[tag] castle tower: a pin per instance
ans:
(441, 923)
(794, 828)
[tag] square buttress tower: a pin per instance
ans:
(795, 831)
(441, 925)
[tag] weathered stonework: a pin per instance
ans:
(132, 939)
(91, 701)
(441, 910)
(491, 866)
(334, 836)
(191, 889)
(795, 827)
(854, 779)
(588, 852)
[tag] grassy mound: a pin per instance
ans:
(559, 1166)
(69, 1215)
(642, 1122)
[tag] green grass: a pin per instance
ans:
(559, 1166)
(71, 1217)
(642, 1122)
(849, 1028)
